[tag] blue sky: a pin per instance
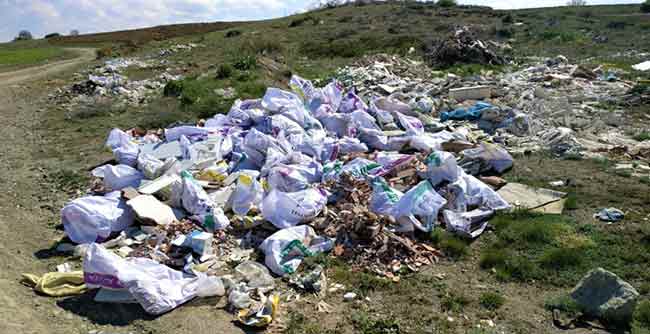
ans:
(46, 16)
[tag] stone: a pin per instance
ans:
(350, 296)
(150, 209)
(604, 295)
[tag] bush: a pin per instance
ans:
(454, 303)
(508, 19)
(560, 258)
(245, 63)
(563, 303)
(453, 247)
(493, 258)
(224, 71)
(233, 33)
(52, 35)
(74, 32)
(491, 301)
(173, 88)
(446, 3)
(103, 53)
(642, 315)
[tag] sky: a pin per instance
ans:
(41, 17)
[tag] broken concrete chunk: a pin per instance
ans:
(150, 209)
(470, 93)
(604, 295)
(537, 200)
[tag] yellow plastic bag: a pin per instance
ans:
(57, 284)
(262, 316)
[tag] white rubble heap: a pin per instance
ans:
(275, 166)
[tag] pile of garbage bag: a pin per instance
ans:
(293, 174)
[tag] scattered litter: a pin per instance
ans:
(57, 284)
(611, 215)
(350, 296)
(644, 66)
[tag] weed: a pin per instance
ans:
(493, 258)
(454, 303)
(224, 71)
(173, 88)
(571, 202)
(245, 63)
(560, 258)
(362, 282)
(563, 303)
(491, 301)
(517, 268)
(453, 247)
(642, 315)
(368, 325)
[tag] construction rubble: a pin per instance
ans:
(363, 169)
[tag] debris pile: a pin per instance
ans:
(462, 47)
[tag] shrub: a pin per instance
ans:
(505, 32)
(491, 300)
(508, 19)
(559, 258)
(616, 25)
(645, 7)
(245, 63)
(233, 33)
(453, 247)
(103, 52)
(643, 136)
(563, 303)
(446, 3)
(454, 303)
(173, 88)
(52, 35)
(224, 71)
(642, 315)
(493, 258)
(74, 32)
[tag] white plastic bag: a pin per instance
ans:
(124, 149)
(412, 125)
(197, 202)
(156, 287)
(468, 191)
(150, 166)
(493, 156)
(289, 209)
(248, 193)
(94, 218)
(121, 176)
(467, 224)
(286, 248)
(287, 179)
(174, 134)
(384, 198)
(421, 201)
(442, 166)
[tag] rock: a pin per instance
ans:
(350, 296)
(604, 295)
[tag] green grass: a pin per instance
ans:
(454, 302)
(643, 136)
(554, 250)
(563, 303)
(491, 301)
(641, 322)
(30, 56)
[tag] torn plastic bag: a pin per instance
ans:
(150, 166)
(121, 176)
(289, 209)
(287, 178)
(462, 114)
(467, 224)
(285, 249)
(360, 122)
(94, 218)
(358, 168)
(421, 201)
(442, 166)
(351, 102)
(248, 193)
(156, 287)
(303, 88)
(198, 203)
(327, 99)
(191, 132)
(390, 105)
(275, 124)
(485, 158)
(117, 138)
(127, 154)
(384, 198)
(186, 148)
(346, 145)
(245, 113)
(290, 106)
(218, 121)
(385, 143)
(412, 125)
(336, 124)
(391, 162)
(469, 191)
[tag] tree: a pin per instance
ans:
(645, 7)
(24, 35)
(446, 3)
(74, 32)
(576, 3)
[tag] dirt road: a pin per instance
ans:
(38, 72)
